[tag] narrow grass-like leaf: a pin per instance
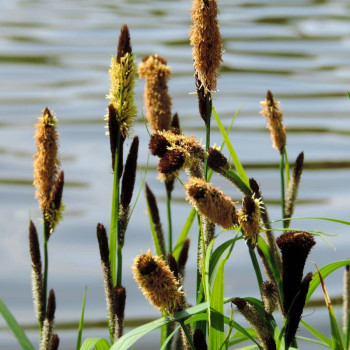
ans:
(95, 343)
(325, 271)
(248, 347)
(81, 322)
(317, 334)
(237, 180)
(344, 222)
(15, 328)
(233, 154)
(168, 339)
(184, 233)
(310, 340)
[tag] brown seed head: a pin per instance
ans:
(51, 306)
(274, 118)
(120, 297)
(199, 340)
(249, 218)
(173, 265)
(175, 124)
(206, 41)
(158, 283)
(171, 162)
(183, 256)
(158, 145)
(34, 246)
(270, 296)
(124, 44)
(156, 73)
(211, 202)
(55, 342)
(46, 163)
(216, 160)
(103, 243)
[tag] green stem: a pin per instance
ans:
(282, 187)
(170, 231)
(208, 106)
(255, 265)
(46, 266)
(187, 334)
(114, 231)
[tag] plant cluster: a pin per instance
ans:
(283, 285)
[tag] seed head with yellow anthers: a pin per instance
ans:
(249, 218)
(156, 72)
(46, 163)
(158, 284)
(211, 202)
(122, 76)
(271, 111)
(205, 38)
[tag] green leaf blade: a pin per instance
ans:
(95, 343)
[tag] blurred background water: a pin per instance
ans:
(57, 54)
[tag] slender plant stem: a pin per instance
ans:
(46, 267)
(282, 187)
(170, 230)
(208, 106)
(187, 334)
(255, 265)
(114, 231)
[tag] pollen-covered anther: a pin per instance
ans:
(211, 202)
(249, 218)
(158, 283)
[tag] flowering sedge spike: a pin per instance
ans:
(171, 162)
(294, 316)
(199, 340)
(107, 276)
(113, 127)
(175, 124)
(122, 76)
(173, 265)
(270, 296)
(270, 237)
(46, 162)
(53, 215)
(270, 342)
(120, 297)
(205, 38)
(346, 298)
(295, 247)
(128, 184)
(249, 218)
(158, 283)
(183, 257)
(47, 334)
(211, 203)
(255, 319)
(156, 73)
(292, 190)
(202, 101)
(37, 278)
(217, 161)
(55, 342)
(271, 111)
(153, 208)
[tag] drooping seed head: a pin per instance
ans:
(46, 163)
(274, 118)
(211, 202)
(156, 73)
(158, 283)
(205, 38)
(216, 160)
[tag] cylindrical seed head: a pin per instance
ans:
(120, 298)
(199, 340)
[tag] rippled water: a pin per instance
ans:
(57, 54)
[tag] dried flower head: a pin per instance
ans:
(249, 218)
(46, 163)
(156, 73)
(270, 296)
(211, 202)
(271, 111)
(158, 283)
(122, 76)
(206, 41)
(120, 298)
(216, 160)
(47, 332)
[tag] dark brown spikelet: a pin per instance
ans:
(216, 160)
(202, 106)
(51, 306)
(199, 340)
(270, 342)
(34, 246)
(103, 243)
(295, 247)
(175, 124)
(293, 187)
(294, 315)
(124, 44)
(270, 296)
(129, 176)
(56, 195)
(183, 256)
(120, 297)
(55, 342)
(114, 127)
(158, 145)
(171, 161)
(173, 265)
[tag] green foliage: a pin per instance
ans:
(81, 322)
(95, 343)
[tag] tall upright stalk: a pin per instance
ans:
(282, 187)
(170, 229)
(46, 268)
(208, 106)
